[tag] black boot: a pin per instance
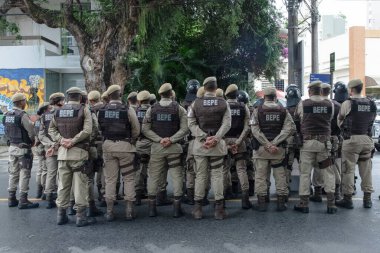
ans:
(102, 202)
(12, 200)
(281, 206)
(24, 203)
(367, 202)
(261, 203)
(110, 215)
(197, 211)
(82, 220)
(338, 195)
(152, 206)
(267, 197)
(39, 191)
(189, 196)
(251, 188)
(163, 200)
(92, 210)
(245, 203)
(346, 202)
(62, 216)
(205, 200)
(235, 189)
(139, 194)
(303, 205)
(228, 193)
(220, 213)
(331, 207)
(100, 195)
(43, 197)
(177, 210)
(71, 210)
(50, 201)
(317, 196)
(130, 210)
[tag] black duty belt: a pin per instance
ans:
(321, 138)
(117, 140)
(21, 145)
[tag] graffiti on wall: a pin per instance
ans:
(30, 82)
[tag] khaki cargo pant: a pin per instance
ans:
(18, 175)
(159, 165)
(312, 153)
(241, 171)
(41, 174)
(262, 176)
(357, 152)
(205, 166)
(115, 163)
(70, 176)
(51, 177)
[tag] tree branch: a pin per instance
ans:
(40, 15)
(9, 4)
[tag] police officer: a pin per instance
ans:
(209, 120)
(243, 97)
(153, 99)
(71, 127)
(143, 146)
(317, 178)
(293, 97)
(340, 92)
(40, 151)
(96, 104)
(165, 124)
(315, 115)
(20, 132)
(356, 118)
(51, 147)
(192, 89)
(219, 93)
(120, 129)
(132, 100)
(271, 125)
(235, 140)
(105, 98)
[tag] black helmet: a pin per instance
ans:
(192, 88)
(293, 95)
(242, 97)
(258, 103)
(340, 92)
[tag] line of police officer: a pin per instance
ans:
(141, 142)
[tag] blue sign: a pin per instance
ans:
(324, 78)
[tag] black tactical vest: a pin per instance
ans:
(335, 130)
(14, 130)
(362, 116)
(114, 121)
(140, 113)
(165, 119)
(237, 119)
(271, 120)
(316, 117)
(46, 119)
(209, 112)
(70, 120)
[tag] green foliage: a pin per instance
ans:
(6, 26)
(202, 38)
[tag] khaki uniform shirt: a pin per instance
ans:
(156, 148)
(287, 130)
(45, 140)
(29, 127)
(124, 146)
(74, 153)
(221, 148)
(144, 144)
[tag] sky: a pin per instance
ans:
(356, 11)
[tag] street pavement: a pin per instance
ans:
(244, 231)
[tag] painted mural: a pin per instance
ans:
(30, 82)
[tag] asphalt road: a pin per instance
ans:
(244, 231)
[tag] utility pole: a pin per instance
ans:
(314, 36)
(292, 7)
